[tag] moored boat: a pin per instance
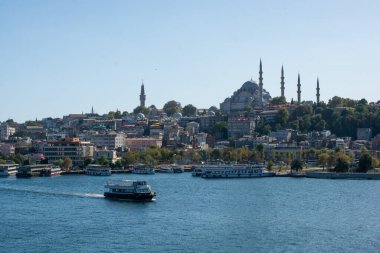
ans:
(137, 190)
(52, 171)
(8, 170)
(97, 170)
(142, 169)
(170, 169)
(28, 171)
(236, 171)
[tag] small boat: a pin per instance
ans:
(170, 169)
(28, 171)
(48, 172)
(97, 170)
(137, 190)
(8, 170)
(142, 169)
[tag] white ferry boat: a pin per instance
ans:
(171, 169)
(129, 190)
(236, 171)
(97, 170)
(197, 170)
(52, 171)
(142, 169)
(8, 170)
(35, 170)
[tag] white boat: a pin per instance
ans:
(129, 190)
(8, 170)
(170, 169)
(50, 171)
(142, 169)
(197, 170)
(97, 170)
(236, 171)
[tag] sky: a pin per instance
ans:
(62, 57)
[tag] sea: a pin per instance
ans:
(190, 214)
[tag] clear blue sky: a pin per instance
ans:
(61, 57)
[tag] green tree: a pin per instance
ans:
(87, 161)
(189, 110)
(260, 150)
(278, 100)
(172, 107)
(341, 165)
(103, 161)
(270, 165)
(282, 117)
(365, 163)
(220, 130)
(141, 109)
(216, 154)
(118, 164)
(296, 165)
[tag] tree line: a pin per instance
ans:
(342, 116)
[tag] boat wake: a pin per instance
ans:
(81, 195)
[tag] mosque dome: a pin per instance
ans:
(211, 113)
(140, 116)
(177, 115)
(250, 85)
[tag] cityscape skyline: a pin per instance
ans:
(61, 58)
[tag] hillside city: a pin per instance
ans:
(248, 127)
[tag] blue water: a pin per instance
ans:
(69, 214)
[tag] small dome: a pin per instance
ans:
(250, 85)
(140, 116)
(177, 115)
(211, 113)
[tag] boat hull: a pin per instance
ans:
(269, 174)
(130, 196)
(23, 175)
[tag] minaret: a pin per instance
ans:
(92, 110)
(142, 96)
(282, 82)
(318, 95)
(299, 89)
(261, 83)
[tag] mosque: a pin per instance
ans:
(252, 95)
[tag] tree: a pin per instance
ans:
(67, 163)
(189, 110)
(103, 161)
(341, 165)
(87, 161)
(172, 107)
(296, 165)
(282, 117)
(216, 154)
(365, 163)
(270, 165)
(131, 157)
(141, 109)
(260, 150)
(278, 100)
(323, 159)
(220, 130)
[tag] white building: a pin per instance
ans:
(6, 131)
(109, 140)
